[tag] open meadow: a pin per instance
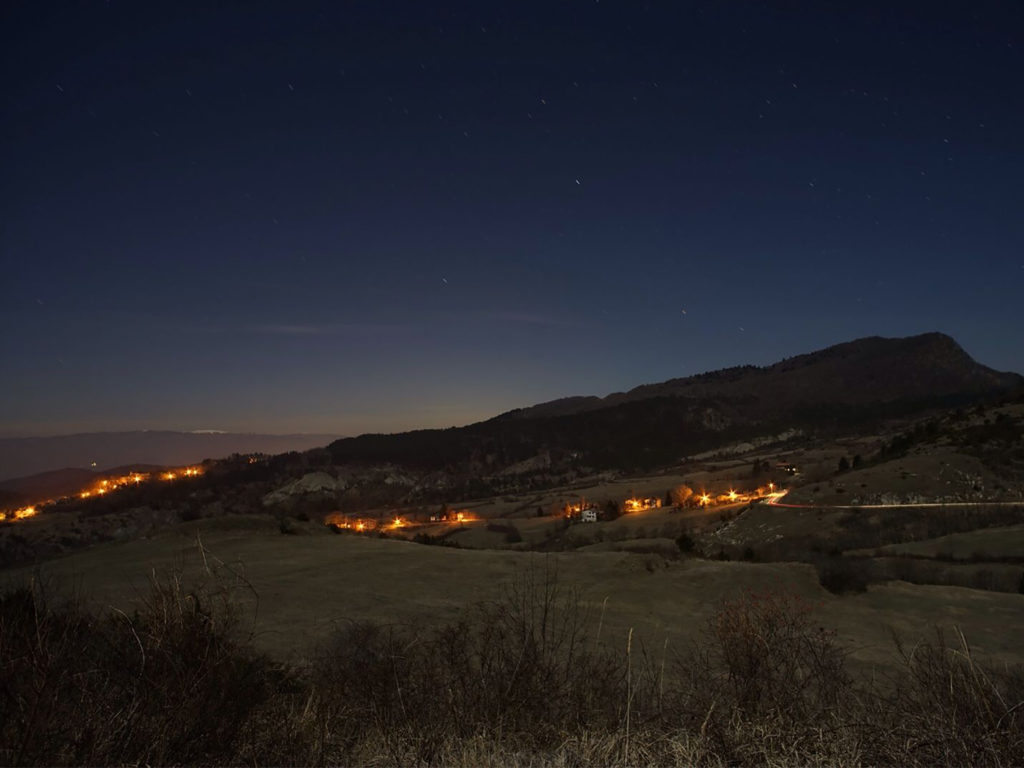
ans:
(294, 590)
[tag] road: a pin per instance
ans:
(947, 504)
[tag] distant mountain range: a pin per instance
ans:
(854, 383)
(857, 382)
(868, 370)
(22, 456)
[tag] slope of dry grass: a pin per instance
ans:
(310, 584)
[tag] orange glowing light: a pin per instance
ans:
(640, 505)
(21, 514)
(732, 495)
(459, 516)
(705, 499)
(85, 494)
(360, 525)
(169, 475)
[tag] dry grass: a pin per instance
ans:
(309, 585)
(516, 681)
(983, 544)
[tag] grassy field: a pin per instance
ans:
(310, 583)
(763, 524)
(939, 474)
(985, 544)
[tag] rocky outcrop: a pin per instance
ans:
(312, 484)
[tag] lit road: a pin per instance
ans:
(774, 501)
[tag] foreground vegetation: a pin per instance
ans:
(522, 680)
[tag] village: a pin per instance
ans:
(101, 488)
(446, 520)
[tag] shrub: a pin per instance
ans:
(949, 710)
(168, 684)
(839, 574)
(519, 667)
(774, 658)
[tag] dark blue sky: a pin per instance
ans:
(376, 216)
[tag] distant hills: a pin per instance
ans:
(48, 485)
(22, 456)
(856, 382)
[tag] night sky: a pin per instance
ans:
(347, 217)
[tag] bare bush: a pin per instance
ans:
(947, 709)
(515, 682)
(168, 684)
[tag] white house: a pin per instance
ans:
(588, 516)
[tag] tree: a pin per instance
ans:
(844, 464)
(681, 494)
(611, 509)
(857, 461)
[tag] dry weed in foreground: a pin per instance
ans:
(517, 682)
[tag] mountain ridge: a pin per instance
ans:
(973, 376)
(858, 382)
